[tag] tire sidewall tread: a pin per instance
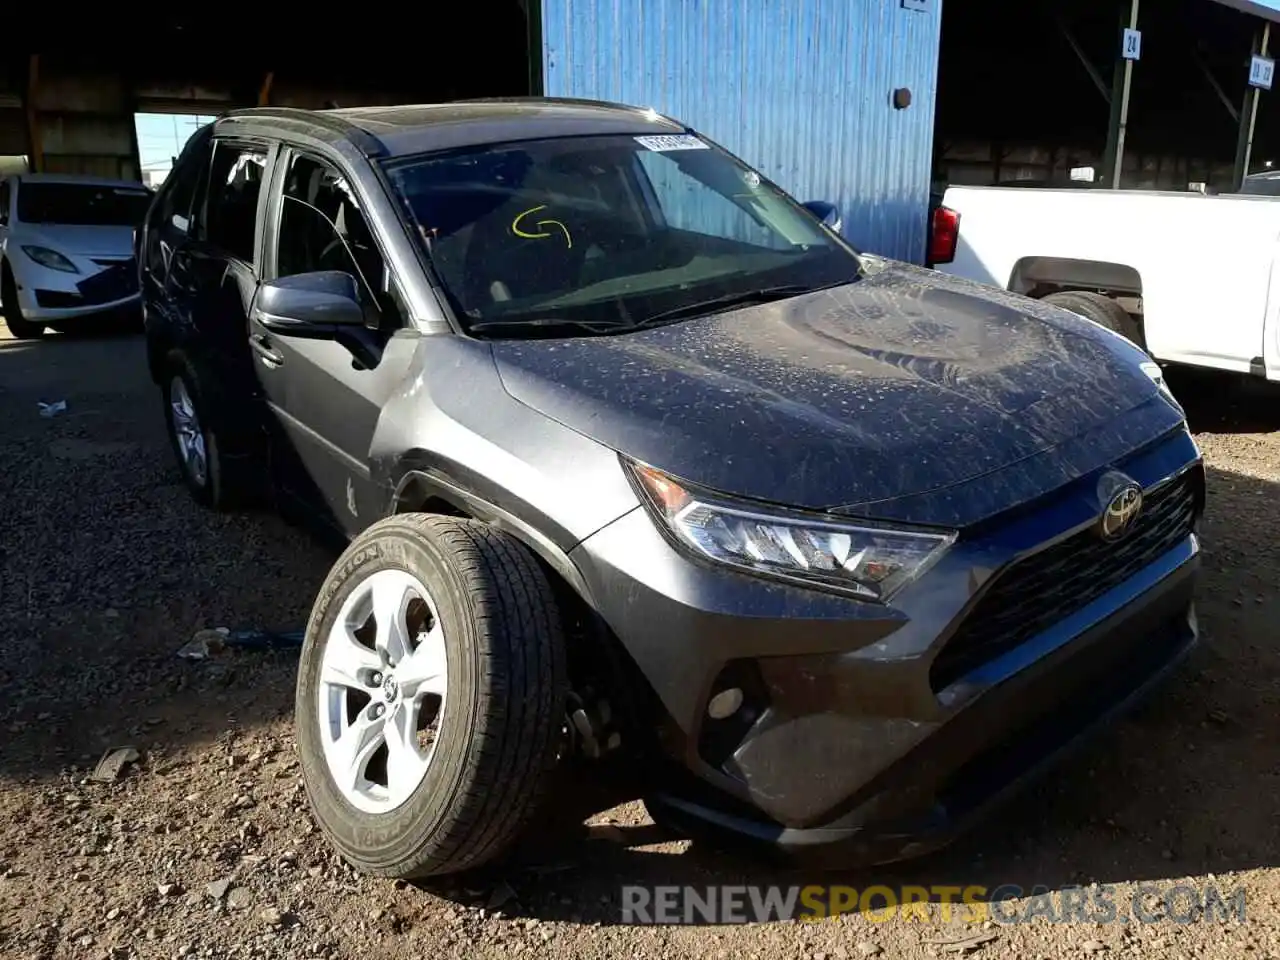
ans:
(504, 706)
(211, 492)
(19, 326)
(1101, 309)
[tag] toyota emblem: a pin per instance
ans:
(1121, 511)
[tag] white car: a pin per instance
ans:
(66, 249)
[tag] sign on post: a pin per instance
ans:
(1262, 71)
(1131, 46)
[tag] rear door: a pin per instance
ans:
(168, 227)
(327, 396)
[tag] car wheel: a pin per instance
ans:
(1100, 309)
(19, 326)
(430, 696)
(215, 478)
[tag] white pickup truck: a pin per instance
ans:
(1190, 277)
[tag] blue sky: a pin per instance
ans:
(161, 136)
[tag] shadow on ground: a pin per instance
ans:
(106, 568)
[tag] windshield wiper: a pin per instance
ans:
(741, 298)
(591, 326)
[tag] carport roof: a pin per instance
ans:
(1267, 9)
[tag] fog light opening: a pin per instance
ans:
(725, 703)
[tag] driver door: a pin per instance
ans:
(326, 396)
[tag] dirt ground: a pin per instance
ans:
(205, 848)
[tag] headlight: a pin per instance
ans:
(1153, 371)
(868, 562)
(51, 259)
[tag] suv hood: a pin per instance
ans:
(904, 383)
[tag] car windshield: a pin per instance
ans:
(1261, 186)
(611, 231)
(82, 204)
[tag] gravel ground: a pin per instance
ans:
(204, 847)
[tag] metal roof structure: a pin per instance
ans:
(1267, 9)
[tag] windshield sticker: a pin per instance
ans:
(751, 179)
(527, 234)
(664, 144)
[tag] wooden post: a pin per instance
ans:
(33, 114)
(264, 92)
(1249, 115)
(1113, 162)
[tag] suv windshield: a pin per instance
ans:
(82, 204)
(611, 231)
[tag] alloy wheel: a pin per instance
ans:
(188, 432)
(381, 691)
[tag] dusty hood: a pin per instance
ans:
(905, 383)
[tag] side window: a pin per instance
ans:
(180, 191)
(172, 209)
(231, 198)
(688, 204)
(4, 203)
(323, 228)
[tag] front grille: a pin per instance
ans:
(117, 281)
(58, 299)
(1044, 588)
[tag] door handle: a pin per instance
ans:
(262, 346)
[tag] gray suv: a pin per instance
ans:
(634, 456)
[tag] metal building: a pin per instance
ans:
(804, 90)
(831, 99)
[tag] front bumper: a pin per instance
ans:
(50, 296)
(862, 736)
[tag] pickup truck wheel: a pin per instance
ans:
(1100, 309)
(18, 325)
(430, 696)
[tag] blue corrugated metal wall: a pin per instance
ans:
(800, 89)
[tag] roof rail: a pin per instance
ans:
(568, 101)
(366, 142)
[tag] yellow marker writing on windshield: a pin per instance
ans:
(516, 229)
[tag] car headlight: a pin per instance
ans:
(869, 562)
(51, 259)
(1153, 371)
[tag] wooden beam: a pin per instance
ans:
(1085, 62)
(1214, 84)
(1249, 115)
(33, 113)
(264, 92)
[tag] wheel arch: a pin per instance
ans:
(159, 347)
(595, 651)
(1037, 276)
(422, 492)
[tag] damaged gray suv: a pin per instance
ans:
(633, 455)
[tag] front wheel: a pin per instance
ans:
(430, 696)
(19, 326)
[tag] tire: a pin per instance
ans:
(1100, 309)
(231, 474)
(497, 721)
(19, 326)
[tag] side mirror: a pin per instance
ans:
(828, 214)
(310, 304)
